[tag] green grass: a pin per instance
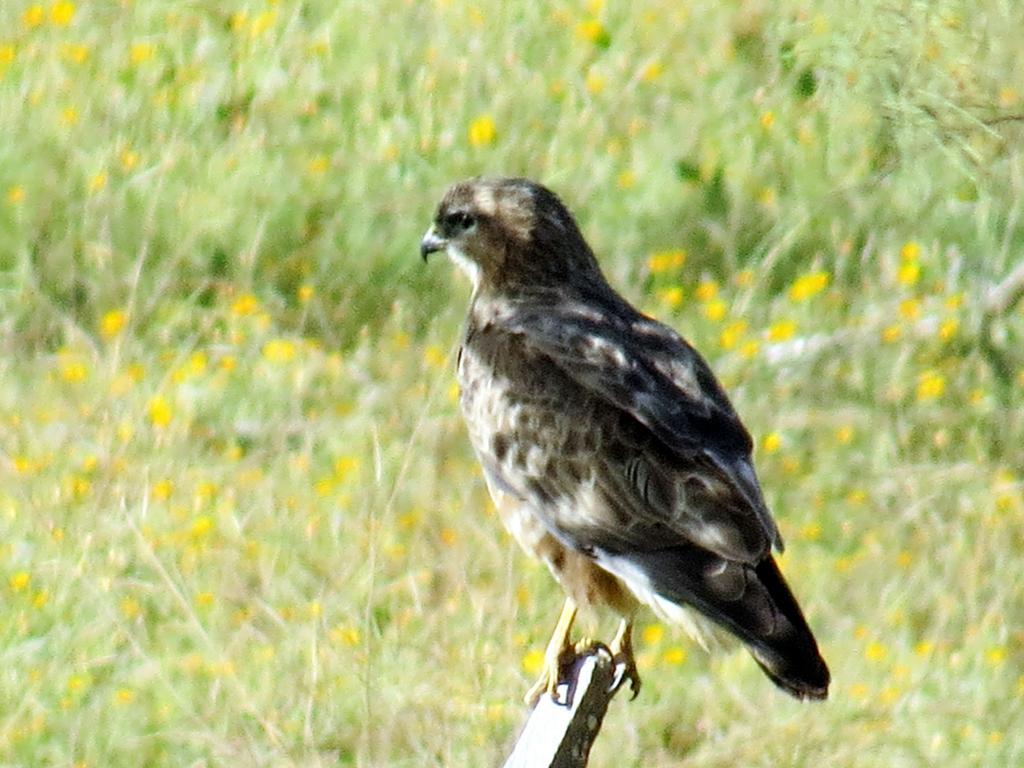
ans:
(240, 523)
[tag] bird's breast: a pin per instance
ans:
(535, 430)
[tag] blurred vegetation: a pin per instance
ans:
(239, 520)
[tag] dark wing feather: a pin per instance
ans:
(648, 371)
(752, 601)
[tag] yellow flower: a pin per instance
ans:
(810, 531)
(196, 364)
(875, 652)
(910, 309)
(129, 159)
(201, 527)
(344, 466)
(434, 356)
(15, 194)
(74, 52)
(162, 490)
(262, 22)
(62, 13)
(844, 434)
(767, 120)
(924, 648)
(948, 328)
(98, 182)
(317, 165)
(79, 487)
(671, 297)
(652, 634)
(533, 661)
(626, 179)
(781, 330)
(651, 72)
(663, 261)
(594, 81)
(715, 310)
(995, 656)
(674, 656)
(750, 348)
(305, 293)
(124, 696)
(732, 334)
(19, 581)
(892, 334)
(771, 443)
(246, 304)
(7, 51)
(204, 599)
(482, 131)
(706, 290)
(279, 351)
(130, 607)
(140, 52)
(33, 16)
(808, 286)
(910, 251)
(68, 116)
(73, 370)
(930, 386)
(160, 412)
(345, 635)
(909, 273)
(859, 691)
(23, 465)
(593, 31)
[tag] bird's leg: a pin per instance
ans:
(559, 653)
(622, 654)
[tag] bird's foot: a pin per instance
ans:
(556, 661)
(585, 645)
(625, 662)
(559, 654)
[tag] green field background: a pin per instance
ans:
(240, 522)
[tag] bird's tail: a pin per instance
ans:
(752, 602)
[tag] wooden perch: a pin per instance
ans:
(559, 734)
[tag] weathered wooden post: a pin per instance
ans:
(559, 734)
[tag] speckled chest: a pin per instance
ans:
(503, 394)
(530, 423)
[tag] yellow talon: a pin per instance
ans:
(558, 655)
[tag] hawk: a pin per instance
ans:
(609, 447)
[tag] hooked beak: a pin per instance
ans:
(431, 243)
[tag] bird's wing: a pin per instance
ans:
(663, 494)
(699, 451)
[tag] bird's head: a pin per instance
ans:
(506, 232)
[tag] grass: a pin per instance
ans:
(240, 523)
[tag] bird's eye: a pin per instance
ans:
(458, 221)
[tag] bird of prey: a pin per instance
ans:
(611, 451)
